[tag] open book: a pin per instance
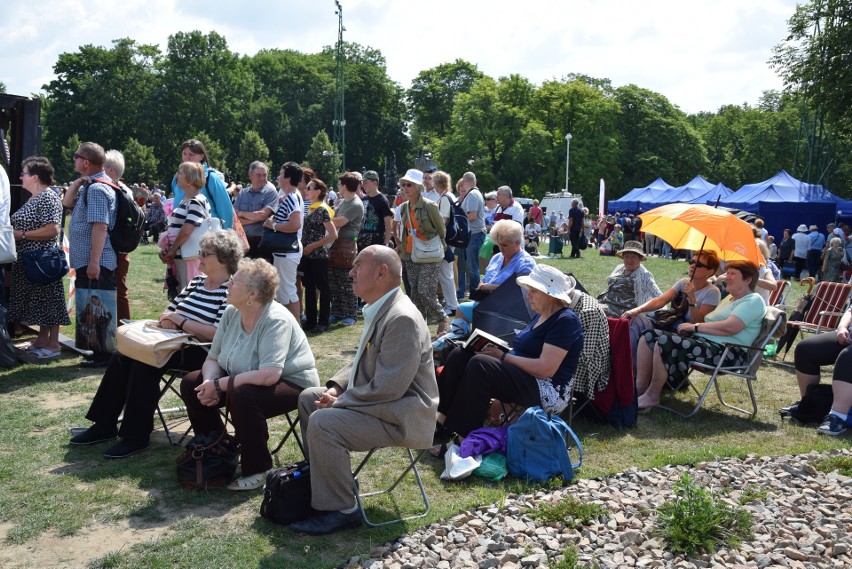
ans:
(480, 338)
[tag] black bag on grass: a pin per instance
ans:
(287, 496)
(815, 405)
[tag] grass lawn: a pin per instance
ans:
(64, 506)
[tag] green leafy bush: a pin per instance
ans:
(696, 522)
(570, 511)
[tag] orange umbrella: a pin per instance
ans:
(697, 226)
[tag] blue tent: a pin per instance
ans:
(844, 210)
(783, 201)
(636, 199)
(696, 187)
(718, 191)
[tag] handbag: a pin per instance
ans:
(583, 243)
(423, 250)
(191, 248)
(145, 341)
(667, 319)
(241, 232)
(44, 266)
(287, 495)
(278, 242)
(8, 251)
(209, 461)
(342, 254)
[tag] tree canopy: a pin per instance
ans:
(278, 105)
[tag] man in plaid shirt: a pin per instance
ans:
(92, 216)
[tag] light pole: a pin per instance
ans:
(567, 157)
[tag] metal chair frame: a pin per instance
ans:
(292, 429)
(412, 467)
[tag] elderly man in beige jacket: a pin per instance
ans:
(387, 396)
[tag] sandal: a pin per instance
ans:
(45, 353)
(438, 451)
(251, 482)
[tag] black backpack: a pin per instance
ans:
(129, 218)
(458, 228)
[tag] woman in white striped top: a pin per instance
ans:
(134, 386)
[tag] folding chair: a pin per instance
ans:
(292, 429)
(829, 302)
(773, 326)
(412, 461)
(169, 378)
(779, 295)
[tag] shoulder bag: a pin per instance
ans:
(342, 253)
(8, 251)
(209, 461)
(423, 250)
(44, 266)
(145, 341)
(191, 248)
(279, 242)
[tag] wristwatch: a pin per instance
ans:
(696, 329)
(219, 391)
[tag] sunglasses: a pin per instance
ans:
(406, 185)
(79, 156)
(698, 264)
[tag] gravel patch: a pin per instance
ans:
(804, 521)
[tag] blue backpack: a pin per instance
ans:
(536, 449)
(458, 230)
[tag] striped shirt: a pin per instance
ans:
(291, 203)
(194, 211)
(199, 304)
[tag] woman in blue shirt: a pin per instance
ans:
(214, 190)
(537, 371)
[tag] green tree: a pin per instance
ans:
(321, 157)
(139, 161)
(657, 140)
(63, 161)
(204, 87)
(814, 58)
(433, 93)
(252, 147)
(99, 93)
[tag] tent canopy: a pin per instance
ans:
(636, 198)
(696, 187)
(785, 202)
(844, 210)
(718, 192)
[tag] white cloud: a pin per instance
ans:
(700, 54)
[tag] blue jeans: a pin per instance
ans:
(472, 254)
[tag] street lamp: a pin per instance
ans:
(567, 157)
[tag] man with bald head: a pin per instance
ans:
(387, 396)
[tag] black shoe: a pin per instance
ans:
(789, 409)
(125, 448)
(328, 522)
(320, 329)
(94, 363)
(94, 434)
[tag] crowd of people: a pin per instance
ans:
(386, 259)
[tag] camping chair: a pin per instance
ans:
(779, 295)
(292, 429)
(168, 387)
(411, 466)
(829, 302)
(773, 327)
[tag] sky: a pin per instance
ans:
(700, 54)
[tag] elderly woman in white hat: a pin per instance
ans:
(421, 221)
(537, 371)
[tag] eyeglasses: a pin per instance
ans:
(206, 254)
(698, 264)
(233, 280)
(26, 174)
(81, 157)
(406, 185)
